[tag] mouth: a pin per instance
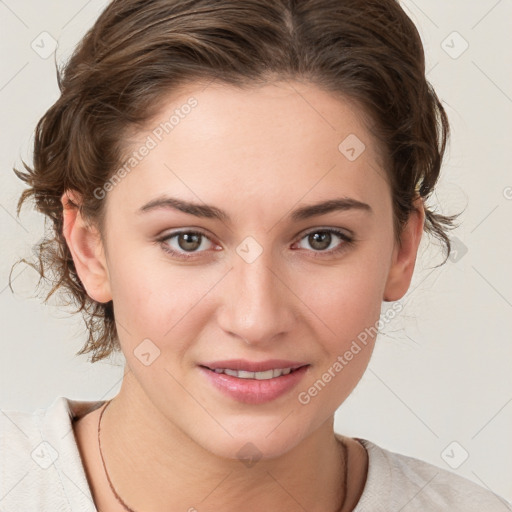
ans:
(249, 383)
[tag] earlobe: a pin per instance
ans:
(86, 248)
(404, 255)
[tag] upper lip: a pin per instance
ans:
(253, 366)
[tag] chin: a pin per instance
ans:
(252, 441)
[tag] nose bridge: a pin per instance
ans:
(259, 305)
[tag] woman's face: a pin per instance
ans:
(261, 281)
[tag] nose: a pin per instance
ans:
(258, 304)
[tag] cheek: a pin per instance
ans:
(347, 298)
(157, 300)
(347, 302)
(348, 322)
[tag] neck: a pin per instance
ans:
(168, 470)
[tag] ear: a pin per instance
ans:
(86, 248)
(404, 254)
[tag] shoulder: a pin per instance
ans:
(402, 482)
(40, 465)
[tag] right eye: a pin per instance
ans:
(186, 241)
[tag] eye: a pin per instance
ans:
(324, 239)
(184, 242)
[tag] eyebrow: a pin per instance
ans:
(212, 212)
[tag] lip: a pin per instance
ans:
(253, 391)
(253, 366)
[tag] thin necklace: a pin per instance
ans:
(118, 498)
(126, 507)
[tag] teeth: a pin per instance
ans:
(242, 374)
(268, 374)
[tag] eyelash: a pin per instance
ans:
(348, 241)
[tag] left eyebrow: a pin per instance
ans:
(338, 204)
(212, 212)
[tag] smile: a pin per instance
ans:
(243, 374)
(254, 387)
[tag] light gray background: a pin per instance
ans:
(441, 370)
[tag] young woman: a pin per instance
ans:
(235, 188)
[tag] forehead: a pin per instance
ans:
(276, 144)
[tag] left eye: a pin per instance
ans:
(320, 239)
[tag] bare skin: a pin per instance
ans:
(171, 439)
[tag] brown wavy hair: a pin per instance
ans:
(138, 51)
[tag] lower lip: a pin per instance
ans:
(253, 391)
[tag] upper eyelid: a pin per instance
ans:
(345, 231)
